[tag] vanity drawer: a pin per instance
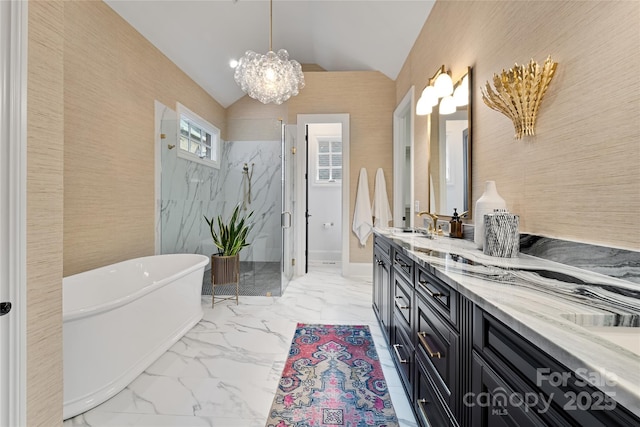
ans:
(437, 346)
(383, 246)
(403, 264)
(525, 367)
(439, 294)
(403, 303)
(403, 355)
(430, 410)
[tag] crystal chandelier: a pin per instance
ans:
(271, 77)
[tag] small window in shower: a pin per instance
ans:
(198, 140)
(329, 160)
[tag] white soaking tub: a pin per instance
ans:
(119, 319)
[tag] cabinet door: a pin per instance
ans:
(385, 297)
(377, 263)
(490, 400)
(382, 289)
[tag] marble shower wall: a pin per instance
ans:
(263, 158)
(189, 191)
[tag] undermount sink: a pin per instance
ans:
(620, 329)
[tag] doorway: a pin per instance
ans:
(324, 194)
(323, 167)
(403, 153)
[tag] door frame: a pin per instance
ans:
(405, 110)
(13, 118)
(300, 236)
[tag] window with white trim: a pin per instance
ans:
(198, 140)
(329, 160)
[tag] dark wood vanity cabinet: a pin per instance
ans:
(459, 365)
(382, 284)
(526, 386)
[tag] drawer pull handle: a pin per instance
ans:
(422, 336)
(401, 264)
(423, 283)
(423, 412)
(400, 359)
(402, 307)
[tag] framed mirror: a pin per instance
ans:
(450, 153)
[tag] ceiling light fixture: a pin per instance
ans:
(271, 77)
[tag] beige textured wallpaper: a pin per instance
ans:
(579, 177)
(112, 75)
(45, 142)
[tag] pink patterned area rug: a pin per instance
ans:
(332, 377)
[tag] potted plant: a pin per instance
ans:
(229, 237)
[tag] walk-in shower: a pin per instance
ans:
(253, 172)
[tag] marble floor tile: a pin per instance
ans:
(224, 372)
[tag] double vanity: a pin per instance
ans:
(485, 341)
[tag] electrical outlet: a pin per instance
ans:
(416, 206)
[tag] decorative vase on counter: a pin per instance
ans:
(489, 201)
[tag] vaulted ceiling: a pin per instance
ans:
(202, 36)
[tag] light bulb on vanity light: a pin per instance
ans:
(447, 105)
(422, 107)
(430, 96)
(461, 94)
(443, 85)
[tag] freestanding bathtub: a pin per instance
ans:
(119, 319)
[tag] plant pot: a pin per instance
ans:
(225, 269)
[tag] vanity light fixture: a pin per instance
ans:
(518, 93)
(440, 85)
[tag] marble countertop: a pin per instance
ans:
(568, 312)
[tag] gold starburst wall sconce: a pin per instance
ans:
(518, 93)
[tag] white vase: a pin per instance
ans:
(489, 201)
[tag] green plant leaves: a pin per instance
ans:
(230, 237)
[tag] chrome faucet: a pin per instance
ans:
(434, 219)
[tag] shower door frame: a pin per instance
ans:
(288, 208)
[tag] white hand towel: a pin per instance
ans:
(381, 209)
(362, 221)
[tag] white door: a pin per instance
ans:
(13, 17)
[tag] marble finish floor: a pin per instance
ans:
(225, 371)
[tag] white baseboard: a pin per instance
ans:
(319, 256)
(359, 270)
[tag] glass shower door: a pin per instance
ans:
(288, 203)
